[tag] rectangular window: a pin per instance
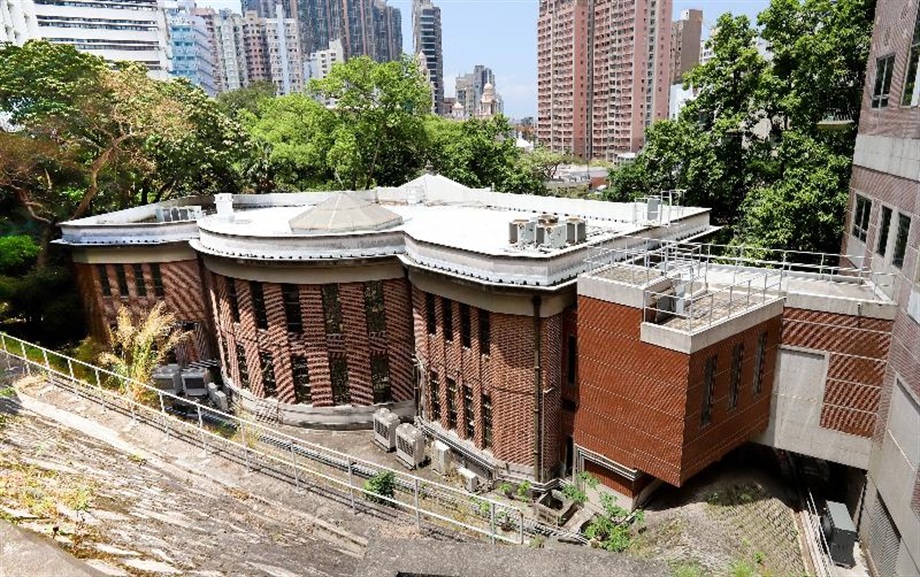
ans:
(269, 388)
(139, 284)
(861, 217)
(570, 361)
(468, 412)
(883, 68)
(447, 311)
(290, 294)
(332, 309)
(759, 360)
(233, 300)
(103, 271)
(157, 280)
(380, 378)
(122, 279)
(434, 387)
(301, 375)
(485, 329)
(374, 307)
(466, 328)
(430, 318)
(338, 370)
(451, 403)
(243, 367)
(900, 242)
(258, 304)
(486, 421)
(912, 79)
(883, 231)
(709, 379)
(737, 362)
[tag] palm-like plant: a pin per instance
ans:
(138, 344)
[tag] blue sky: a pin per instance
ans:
(502, 34)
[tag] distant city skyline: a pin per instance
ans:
(502, 34)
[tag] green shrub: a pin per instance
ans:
(524, 489)
(575, 494)
(612, 529)
(382, 484)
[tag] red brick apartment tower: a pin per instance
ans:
(883, 230)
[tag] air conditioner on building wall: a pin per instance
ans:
(440, 458)
(470, 479)
(385, 423)
(410, 445)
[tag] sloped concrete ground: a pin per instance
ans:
(21, 549)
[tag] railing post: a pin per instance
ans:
(6, 352)
(69, 368)
(294, 466)
(418, 509)
(351, 485)
(245, 445)
(163, 412)
(521, 526)
(45, 357)
(731, 298)
(25, 358)
(201, 435)
(492, 521)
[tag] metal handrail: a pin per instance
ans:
(284, 449)
(817, 543)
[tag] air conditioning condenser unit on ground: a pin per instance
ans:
(410, 445)
(385, 423)
(440, 458)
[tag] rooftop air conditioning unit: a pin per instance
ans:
(218, 398)
(576, 231)
(166, 378)
(195, 382)
(385, 423)
(177, 213)
(410, 445)
(440, 458)
(470, 479)
(840, 533)
(521, 231)
(552, 236)
(652, 209)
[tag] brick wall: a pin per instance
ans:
(354, 343)
(857, 348)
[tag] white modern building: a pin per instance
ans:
(192, 49)
(285, 61)
(114, 30)
(321, 61)
(232, 49)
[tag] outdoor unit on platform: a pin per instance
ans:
(195, 382)
(440, 458)
(410, 445)
(470, 479)
(385, 423)
(166, 378)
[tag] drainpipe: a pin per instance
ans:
(537, 387)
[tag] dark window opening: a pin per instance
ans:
(571, 360)
(301, 374)
(332, 309)
(447, 310)
(269, 387)
(911, 91)
(861, 217)
(708, 391)
(485, 329)
(737, 361)
(486, 421)
(122, 280)
(258, 304)
(434, 387)
(380, 378)
(290, 294)
(104, 280)
(759, 360)
(883, 231)
(882, 89)
(243, 367)
(451, 403)
(468, 412)
(900, 242)
(338, 369)
(430, 318)
(233, 300)
(140, 284)
(374, 307)
(569, 405)
(466, 328)
(157, 280)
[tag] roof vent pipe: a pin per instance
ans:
(224, 202)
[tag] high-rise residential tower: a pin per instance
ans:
(426, 28)
(111, 29)
(469, 87)
(685, 44)
(285, 62)
(192, 48)
(232, 48)
(603, 74)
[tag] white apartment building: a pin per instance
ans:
(116, 30)
(284, 57)
(321, 61)
(229, 32)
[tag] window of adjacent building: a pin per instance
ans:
(301, 374)
(737, 361)
(883, 231)
(258, 304)
(338, 370)
(883, 69)
(380, 378)
(900, 242)
(233, 300)
(486, 421)
(139, 285)
(269, 387)
(374, 307)
(434, 386)
(485, 329)
(468, 412)
(466, 328)
(570, 361)
(447, 311)
(861, 217)
(332, 309)
(157, 280)
(451, 403)
(243, 367)
(290, 294)
(912, 79)
(430, 318)
(759, 360)
(122, 279)
(103, 272)
(709, 378)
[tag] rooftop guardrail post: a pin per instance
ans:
(163, 412)
(492, 521)
(201, 434)
(25, 358)
(294, 466)
(418, 509)
(351, 485)
(521, 526)
(6, 352)
(69, 367)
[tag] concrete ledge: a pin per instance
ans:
(844, 306)
(620, 293)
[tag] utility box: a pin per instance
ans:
(385, 423)
(166, 378)
(470, 479)
(410, 445)
(194, 382)
(840, 533)
(440, 458)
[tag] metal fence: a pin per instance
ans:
(818, 549)
(282, 456)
